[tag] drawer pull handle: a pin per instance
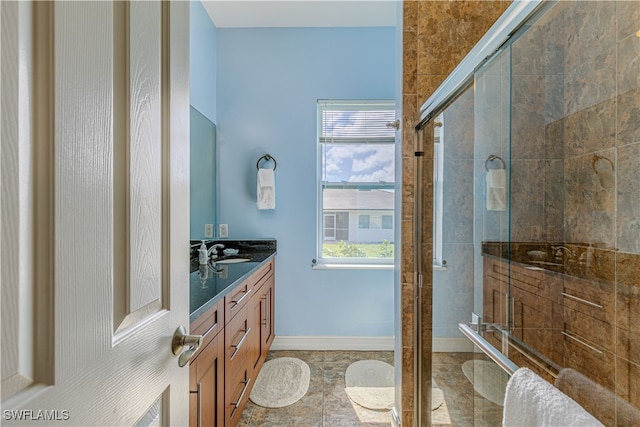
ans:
(267, 310)
(237, 346)
(236, 302)
(236, 404)
(581, 342)
(199, 419)
(584, 301)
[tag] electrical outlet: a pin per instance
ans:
(208, 230)
(223, 231)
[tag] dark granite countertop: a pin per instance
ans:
(586, 261)
(209, 284)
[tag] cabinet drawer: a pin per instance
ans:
(586, 358)
(592, 331)
(209, 325)
(263, 271)
(236, 337)
(238, 385)
(260, 283)
(593, 299)
(534, 281)
(237, 389)
(237, 299)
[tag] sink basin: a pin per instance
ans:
(231, 260)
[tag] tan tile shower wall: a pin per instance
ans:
(436, 37)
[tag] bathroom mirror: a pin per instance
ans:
(203, 175)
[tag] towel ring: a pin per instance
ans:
(267, 157)
(492, 158)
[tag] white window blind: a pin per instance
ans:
(356, 122)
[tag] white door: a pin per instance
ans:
(94, 214)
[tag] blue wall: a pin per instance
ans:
(203, 75)
(268, 83)
(203, 64)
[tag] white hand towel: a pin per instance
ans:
(266, 189)
(532, 402)
(496, 190)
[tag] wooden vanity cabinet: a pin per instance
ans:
(529, 303)
(245, 352)
(568, 320)
(206, 371)
(225, 369)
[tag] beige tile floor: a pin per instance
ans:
(463, 406)
(326, 403)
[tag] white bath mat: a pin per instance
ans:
(281, 382)
(488, 379)
(369, 383)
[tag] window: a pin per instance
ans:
(387, 222)
(438, 179)
(356, 182)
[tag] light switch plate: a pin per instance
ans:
(223, 231)
(208, 230)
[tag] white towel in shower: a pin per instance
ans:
(496, 190)
(532, 402)
(266, 189)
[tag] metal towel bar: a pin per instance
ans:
(501, 360)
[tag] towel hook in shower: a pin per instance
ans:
(492, 158)
(267, 157)
(595, 160)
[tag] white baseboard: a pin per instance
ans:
(452, 345)
(332, 343)
(300, 342)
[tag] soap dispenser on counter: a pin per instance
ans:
(203, 256)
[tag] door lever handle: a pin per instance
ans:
(180, 340)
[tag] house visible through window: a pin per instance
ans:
(356, 188)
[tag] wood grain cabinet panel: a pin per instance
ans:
(267, 329)
(238, 332)
(567, 319)
(206, 386)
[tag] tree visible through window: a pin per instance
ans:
(356, 187)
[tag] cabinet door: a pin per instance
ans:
(206, 400)
(266, 319)
(254, 340)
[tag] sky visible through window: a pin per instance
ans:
(358, 161)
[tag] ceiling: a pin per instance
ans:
(301, 13)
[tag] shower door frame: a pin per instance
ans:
(518, 13)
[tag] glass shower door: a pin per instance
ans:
(471, 140)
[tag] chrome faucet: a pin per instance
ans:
(213, 250)
(559, 250)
